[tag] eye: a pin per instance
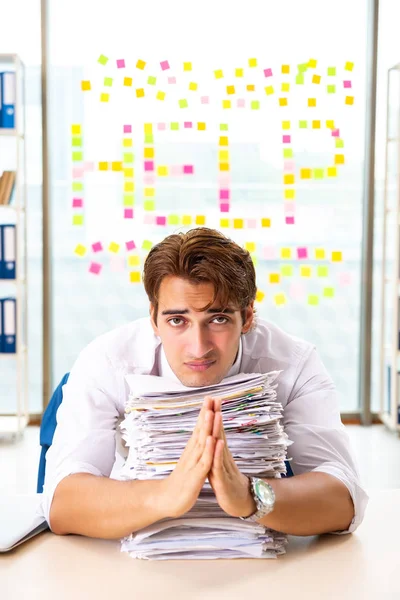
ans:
(221, 320)
(173, 322)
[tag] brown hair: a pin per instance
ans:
(202, 255)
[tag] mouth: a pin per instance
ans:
(200, 366)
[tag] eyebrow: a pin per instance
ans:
(185, 311)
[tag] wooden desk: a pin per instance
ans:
(361, 566)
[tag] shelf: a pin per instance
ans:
(6, 355)
(12, 207)
(9, 424)
(10, 133)
(18, 280)
(387, 420)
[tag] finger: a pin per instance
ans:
(205, 463)
(206, 430)
(217, 404)
(217, 425)
(218, 462)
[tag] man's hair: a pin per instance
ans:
(202, 255)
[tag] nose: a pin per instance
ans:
(200, 345)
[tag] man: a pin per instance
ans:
(201, 329)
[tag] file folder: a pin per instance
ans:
(7, 251)
(8, 99)
(1, 325)
(9, 325)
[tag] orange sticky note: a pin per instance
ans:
(274, 278)
(139, 93)
(201, 126)
(200, 220)
(128, 81)
(230, 89)
(285, 69)
(349, 100)
(140, 64)
(288, 179)
(250, 87)
(339, 159)
(86, 86)
(148, 152)
(283, 102)
(223, 140)
(238, 223)
(316, 124)
(305, 173)
(265, 222)
(316, 79)
(312, 102)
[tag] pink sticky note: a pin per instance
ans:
(252, 223)
(205, 99)
(95, 268)
(288, 166)
(286, 139)
(128, 213)
(130, 245)
(121, 63)
(188, 124)
(302, 253)
(149, 179)
(149, 165)
(224, 194)
(164, 65)
(344, 278)
(347, 84)
(161, 221)
(296, 290)
(335, 132)
(224, 207)
(149, 219)
(171, 79)
(240, 103)
(117, 264)
(188, 169)
(175, 170)
(289, 220)
(97, 247)
(77, 203)
(161, 126)
(289, 207)
(268, 252)
(268, 72)
(77, 173)
(88, 166)
(127, 128)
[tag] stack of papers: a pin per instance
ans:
(160, 416)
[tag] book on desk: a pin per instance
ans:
(21, 518)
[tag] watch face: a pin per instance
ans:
(264, 492)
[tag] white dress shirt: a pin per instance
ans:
(86, 439)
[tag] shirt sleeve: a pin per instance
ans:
(320, 440)
(84, 439)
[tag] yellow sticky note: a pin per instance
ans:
(187, 66)
(316, 79)
(160, 95)
(140, 64)
(186, 220)
(75, 129)
(280, 299)
(260, 296)
(339, 159)
(134, 276)
(316, 124)
(252, 62)
(116, 166)
(305, 173)
(313, 300)
(224, 166)
(319, 253)
(148, 128)
(274, 278)
(349, 100)
(127, 143)
(223, 155)
(285, 124)
(269, 90)
(312, 102)
(201, 126)
(230, 89)
(312, 63)
(265, 222)
(285, 69)
(336, 256)
(288, 179)
(128, 172)
(80, 250)
(250, 246)
(113, 247)
(77, 220)
(332, 172)
(149, 192)
(139, 92)
(223, 140)
(285, 87)
(193, 86)
(238, 223)
(283, 102)
(250, 87)
(238, 72)
(162, 171)
(86, 86)
(305, 271)
(224, 223)
(330, 124)
(134, 260)
(349, 66)
(148, 152)
(226, 104)
(104, 97)
(218, 74)
(128, 81)
(103, 166)
(200, 220)
(129, 186)
(289, 194)
(286, 253)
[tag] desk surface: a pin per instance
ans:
(364, 565)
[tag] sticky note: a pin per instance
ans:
(103, 60)
(252, 62)
(224, 223)
(347, 83)
(149, 205)
(161, 220)
(288, 179)
(305, 173)
(312, 63)
(319, 253)
(77, 220)
(287, 153)
(224, 166)
(104, 97)
(223, 140)
(313, 300)
(128, 213)
(287, 270)
(250, 246)
(318, 173)
(139, 93)
(303, 124)
(226, 104)
(128, 81)
(265, 222)
(305, 271)
(316, 124)
(259, 296)
(151, 80)
(316, 79)
(269, 90)
(250, 87)
(200, 220)
(238, 223)
(80, 250)
(329, 292)
(339, 159)
(171, 80)
(255, 105)
(134, 276)
(285, 69)
(286, 139)
(186, 220)
(312, 102)
(128, 157)
(77, 203)
(140, 64)
(300, 79)
(173, 220)
(289, 194)
(77, 156)
(149, 138)
(223, 155)
(76, 142)
(332, 172)
(230, 89)
(285, 124)
(75, 129)
(201, 126)
(240, 102)
(134, 260)
(302, 68)
(238, 72)
(336, 256)
(86, 86)
(187, 66)
(77, 186)
(121, 63)
(193, 86)
(164, 64)
(148, 152)
(322, 271)
(269, 252)
(183, 103)
(188, 169)
(149, 192)
(160, 95)
(274, 278)
(129, 186)
(97, 247)
(348, 66)
(331, 71)
(218, 74)
(108, 81)
(339, 143)
(283, 101)
(302, 253)
(280, 299)
(117, 165)
(162, 171)
(286, 253)
(128, 200)
(114, 247)
(331, 89)
(95, 268)
(349, 100)
(285, 87)
(127, 143)
(128, 171)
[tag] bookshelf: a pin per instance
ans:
(14, 366)
(390, 317)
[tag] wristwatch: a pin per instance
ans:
(264, 497)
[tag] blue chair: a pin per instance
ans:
(48, 427)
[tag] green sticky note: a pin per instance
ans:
(77, 186)
(174, 126)
(255, 105)
(152, 80)
(147, 245)
(149, 138)
(318, 173)
(128, 157)
(77, 220)
(329, 292)
(173, 219)
(287, 153)
(223, 127)
(128, 200)
(322, 271)
(77, 156)
(302, 68)
(254, 259)
(103, 60)
(331, 71)
(300, 79)
(108, 81)
(303, 124)
(313, 300)
(331, 89)
(183, 103)
(339, 143)
(287, 270)
(149, 205)
(76, 141)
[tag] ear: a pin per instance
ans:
(153, 318)
(249, 318)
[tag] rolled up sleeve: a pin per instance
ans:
(320, 440)
(84, 439)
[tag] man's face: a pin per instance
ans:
(200, 347)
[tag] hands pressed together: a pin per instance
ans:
(207, 456)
